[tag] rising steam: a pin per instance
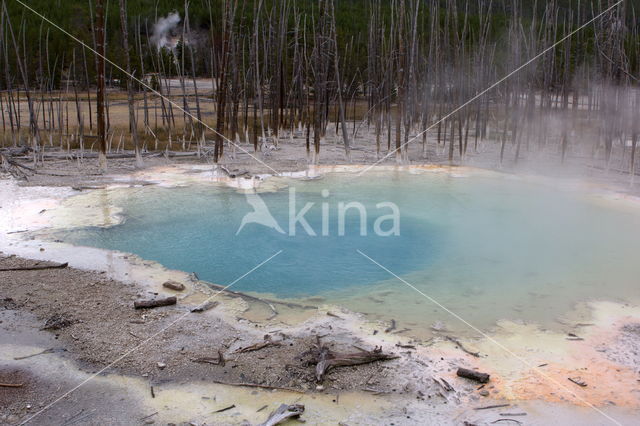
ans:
(161, 35)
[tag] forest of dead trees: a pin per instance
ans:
(218, 74)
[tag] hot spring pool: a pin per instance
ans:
(485, 247)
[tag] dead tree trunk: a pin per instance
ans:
(100, 40)
(133, 127)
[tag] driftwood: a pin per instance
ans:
(326, 359)
(256, 385)
(35, 268)
(10, 385)
(155, 303)
(489, 407)
(225, 408)
(578, 381)
(257, 346)
(462, 347)
(211, 360)
(205, 306)
(473, 375)
(506, 420)
(46, 351)
(283, 413)
(444, 384)
(270, 303)
(173, 285)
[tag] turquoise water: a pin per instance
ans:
(487, 247)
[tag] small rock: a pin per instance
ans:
(484, 392)
(161, 365)
(319, 388)
(173, 285)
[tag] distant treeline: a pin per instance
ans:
(279, 67)
(41, 43)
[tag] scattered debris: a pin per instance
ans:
(444, 384)
(578, 381)
(462, 347)
(391, 327)
(257, 346)
(46, 351)
(205, 306)
(473, 375)
(211, 360)
(398, 345)
(506, 420)
(155, 303)
(173, 285)
(150, 415)
(489, 407)
(257, 385)
(283, 413)
(572, 336)
(56, 322)
(225, 409)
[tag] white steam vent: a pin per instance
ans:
(161, 35)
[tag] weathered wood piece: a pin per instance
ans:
(462, 347)
(173, 285)
(205, 306)
(473, 375)
(283, 413)
(326, 359)
(35, 268)
(257, 346)
(155, 303)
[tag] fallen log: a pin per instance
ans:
(473, 375)
(35, 268)
(205, 306)
(173, 285)
(155, 303)
(10, 385)
(283, 413)
(326, 359)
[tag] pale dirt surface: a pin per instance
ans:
(102, 326)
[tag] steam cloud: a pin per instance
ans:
(160, 36)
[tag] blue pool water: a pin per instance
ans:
(476, 244)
